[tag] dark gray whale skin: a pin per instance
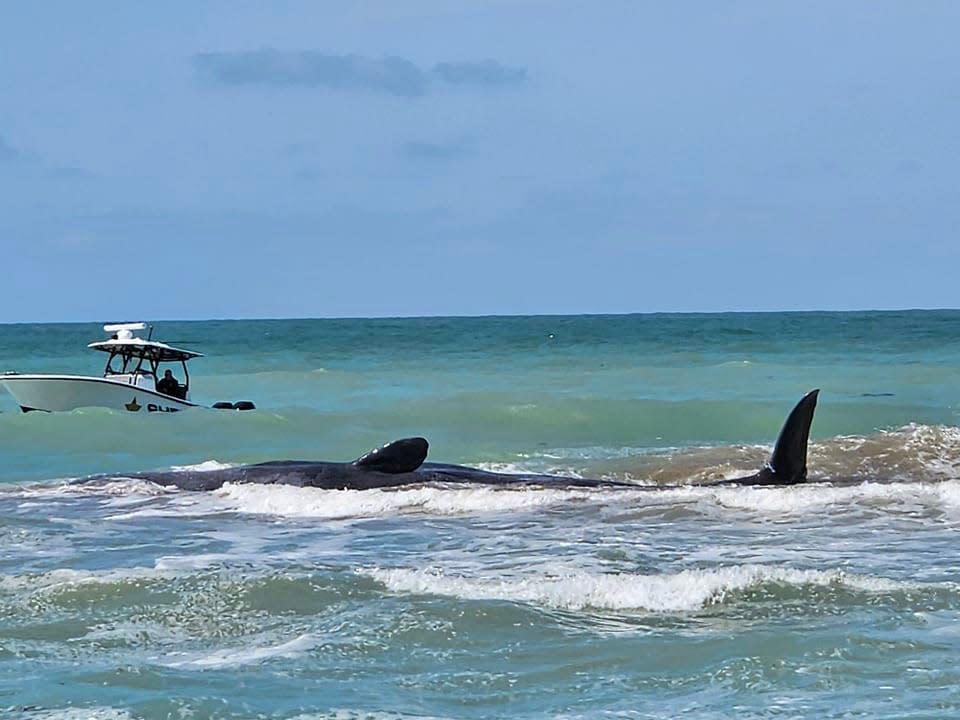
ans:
(402, 463)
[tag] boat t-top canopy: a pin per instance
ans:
(123, 342)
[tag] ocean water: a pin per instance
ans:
(836, 599)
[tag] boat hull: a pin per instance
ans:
(56, 393)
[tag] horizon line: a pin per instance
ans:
(267, 318)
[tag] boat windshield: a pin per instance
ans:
(138, 356)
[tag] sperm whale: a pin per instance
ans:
(402, 462)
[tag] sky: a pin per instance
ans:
(194, 160)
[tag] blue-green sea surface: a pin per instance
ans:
(835, 599)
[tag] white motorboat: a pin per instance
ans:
(131, 381)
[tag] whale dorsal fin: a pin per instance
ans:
(788, 463)
(399, 456)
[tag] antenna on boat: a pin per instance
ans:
(150, 334)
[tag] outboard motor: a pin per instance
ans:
(238, 405)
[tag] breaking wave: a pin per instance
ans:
(684, 591)
(910, 453)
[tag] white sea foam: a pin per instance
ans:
(937, 446)
(171, 503)
(87, 713)
(287, 501)
(686, 590)
(352, 714)
(131, 631)
(67, 578)
(510, 468)
(165, 568)
(796, 500)
(133, 497)
(171, 512)
(813, 497)
(242, 547)
(115, 487)
(235, 657)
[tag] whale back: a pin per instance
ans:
(399, 456)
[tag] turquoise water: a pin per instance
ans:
(840, 598)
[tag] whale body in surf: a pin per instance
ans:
(402, 462)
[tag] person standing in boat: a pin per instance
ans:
(168, 384)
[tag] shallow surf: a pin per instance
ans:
(839, 598)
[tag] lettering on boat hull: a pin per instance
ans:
(134, 406)
(152, 407)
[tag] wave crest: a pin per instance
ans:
(684, 591)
